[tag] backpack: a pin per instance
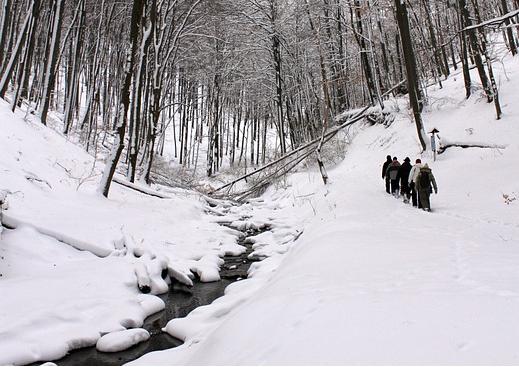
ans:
(424, 179)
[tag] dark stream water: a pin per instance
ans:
(180, 300)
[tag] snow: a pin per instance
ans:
(70, 261)
(372, 280)
(121, 340)
(55, 298)
(495, 21)
(349, 275)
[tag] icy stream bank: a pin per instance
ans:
(179, 301)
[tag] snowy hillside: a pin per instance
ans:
(370, 280)
(201, 182)
(375, 281)
(58, 296)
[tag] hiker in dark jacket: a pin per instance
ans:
(403, 176)
(384, 170)
(392, 172)
(423, 185)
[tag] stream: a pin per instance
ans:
(180, 301)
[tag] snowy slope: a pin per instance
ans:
(373, 280)
(57, 296)
(54, 202)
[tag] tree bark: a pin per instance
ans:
(52, 57)
(111, 164)
(410, 64)
(476, 55)
(6, 77)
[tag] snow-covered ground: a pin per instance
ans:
(373, 280)
(68, 272)
(370, 280)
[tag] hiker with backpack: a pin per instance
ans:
(423, 183)
(412, 182)
(403, 176)
(384, 170)
(392, 172)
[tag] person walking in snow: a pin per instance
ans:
(384, 170)
(392, 172)
(412, 182)
(423, 183)
(403, 176)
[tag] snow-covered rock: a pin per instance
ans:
(121, 340)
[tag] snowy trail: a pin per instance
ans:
(405, 287)
(375, 281)
(459, 243)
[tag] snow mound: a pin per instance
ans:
(121, 340)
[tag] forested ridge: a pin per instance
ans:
(222, 73)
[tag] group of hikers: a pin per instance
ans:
(412, 182)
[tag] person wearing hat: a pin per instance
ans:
(384, 170)
(412, 182)
(392, 172)
(423, 182)
(403, 175)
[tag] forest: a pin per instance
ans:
(259, 182)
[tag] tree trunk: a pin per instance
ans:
(6, 77)
(74, 73)
(115, 154)
(135, 120)
(410, 64)
(476, 55)
(52, 57)
(510, 34)
(366, 65)
(4, 25)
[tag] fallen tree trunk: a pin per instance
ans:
(332, 132)
(3, 203)
(493, 23)
(443, 148)
(143, 190)
(266, 180)
(287, 167)
(11, 222)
